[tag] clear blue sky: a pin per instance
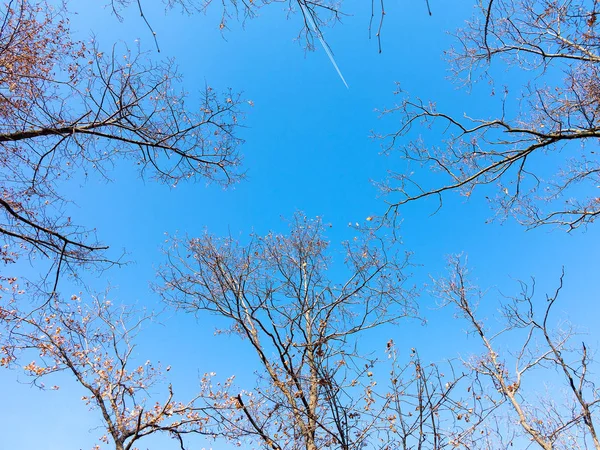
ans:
(308, 147)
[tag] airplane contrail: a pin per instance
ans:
(323, 43)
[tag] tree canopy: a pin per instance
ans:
(148, 152)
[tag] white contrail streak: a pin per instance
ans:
(323, 43)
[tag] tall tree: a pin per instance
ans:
(276, 293)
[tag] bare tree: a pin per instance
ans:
(71, 110)
(564, 417)
(303, 328)
(543, 158)
(95, 344)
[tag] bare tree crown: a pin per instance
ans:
(71, 108)
(276, 293)
(555, 129)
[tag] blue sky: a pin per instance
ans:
(308, 147)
